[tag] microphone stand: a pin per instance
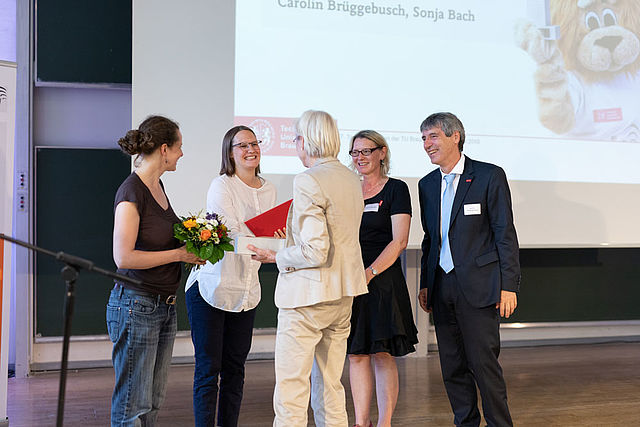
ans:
(72, 265)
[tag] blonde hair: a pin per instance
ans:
(320, 133)
(376, 138)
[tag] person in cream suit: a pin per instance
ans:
(320, 271)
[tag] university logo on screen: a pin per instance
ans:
(276, 134)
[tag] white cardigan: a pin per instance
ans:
(232, 283)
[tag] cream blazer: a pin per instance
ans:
(321, 260)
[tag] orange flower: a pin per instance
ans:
(205, 235)
(190, 223)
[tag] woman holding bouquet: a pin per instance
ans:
(381, 321)
(221, 298)
(141, 320)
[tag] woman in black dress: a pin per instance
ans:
(382, 326)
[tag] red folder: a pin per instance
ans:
(265, 224)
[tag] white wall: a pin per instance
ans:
(163, 83)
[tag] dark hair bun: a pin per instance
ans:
(136, 142)
(152, 133)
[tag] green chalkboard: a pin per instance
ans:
(74, 213)
(74, 192)
(83, 42)
(588, 284)
(266, 312)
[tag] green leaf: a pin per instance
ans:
(191, 248)
(218, 252)
(206, 252)
(226, 247)
(214, 257)
(178, 232)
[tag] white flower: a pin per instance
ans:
(213, 223)
(201, 220)
(209, 227)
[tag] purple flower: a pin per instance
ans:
(211, 216)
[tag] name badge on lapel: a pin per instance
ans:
(372, 207)
(472, 209)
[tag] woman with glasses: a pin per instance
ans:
(222, 298)
(382, 324)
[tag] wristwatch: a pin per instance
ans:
(373, 271)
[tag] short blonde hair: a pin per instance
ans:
(320, 133)
(376, 138)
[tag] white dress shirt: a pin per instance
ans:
(232, 283)
(457, 169)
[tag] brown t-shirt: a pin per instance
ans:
(155, 233)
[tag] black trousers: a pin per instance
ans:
(469, 345)
(222, 340)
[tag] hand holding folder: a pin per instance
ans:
(266, 224)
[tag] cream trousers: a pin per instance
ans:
(311, 345)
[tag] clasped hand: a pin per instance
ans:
(266, 255)
(188, 257)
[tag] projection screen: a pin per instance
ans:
(564, 128)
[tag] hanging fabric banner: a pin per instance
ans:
(7, 134)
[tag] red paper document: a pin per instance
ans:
(265, 224)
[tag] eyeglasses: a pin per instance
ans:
(364, 151)
(244, 146)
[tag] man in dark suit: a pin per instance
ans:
(470, 269)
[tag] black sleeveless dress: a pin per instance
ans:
(382, 320)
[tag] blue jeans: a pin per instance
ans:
(142, 329)
(222, 340)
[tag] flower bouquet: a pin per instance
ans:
(205, 236)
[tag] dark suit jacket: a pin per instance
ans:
(484, 247)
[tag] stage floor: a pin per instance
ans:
(571, 385)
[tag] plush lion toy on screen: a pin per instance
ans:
(588, 81)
